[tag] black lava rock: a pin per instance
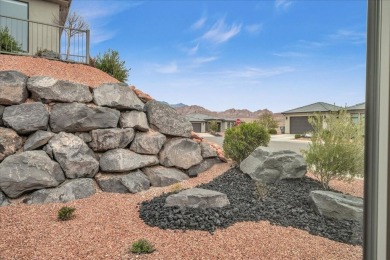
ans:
(286, 204)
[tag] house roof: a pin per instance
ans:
(360, 106)
(204, 118)
(315, 107)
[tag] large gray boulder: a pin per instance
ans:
(203, 166)
(112, 138)
(3, 200)
(207, 150)
(26, 118)
(1, 115)
(180, 152)
(136, 181)
(29, 171)
(47, 89)
(337, 205)
(197, 198)
(148, 143)
(117, 95)
(75, 157)
(122, 160)
(76, 117)
(160, 176)
(13, 90)
(133, 182)
(10, 142)
(268, 165)
(85, 136)
(37, 139)
(68, 191)
(134, 119)
(167, 120)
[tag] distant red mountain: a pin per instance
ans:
(230, 113)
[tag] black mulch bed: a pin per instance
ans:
(286, 204)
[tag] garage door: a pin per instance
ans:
(300, 125)
(197, 127)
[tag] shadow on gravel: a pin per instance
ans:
(285, 204)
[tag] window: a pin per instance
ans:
(12, 14)
(355, 118)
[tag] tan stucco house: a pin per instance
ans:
(32, 23)
(200, 122)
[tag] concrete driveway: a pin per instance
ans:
(279, 142)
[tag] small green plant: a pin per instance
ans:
(261, 190)
(213, 126)
(7, 42)
(297, 136)
(240, 141)
(142, 246)
(66, 213)
(176, 187)
(111, 64)
(272, 131)
(267, 121)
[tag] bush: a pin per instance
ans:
(272, 131)
(66, 213)
(176, 187)
(142, 246)
(213, 126)
(297, 136)
(111, 64)
(336, 150)
(267, 120)
(240, 141)
(7, 42)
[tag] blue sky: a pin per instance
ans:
(275, 54)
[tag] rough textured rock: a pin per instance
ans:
(26, 118)
(111, 183)
(268, 165)
(136, 181)
(197, 198)
(117, 95)
(47, 148)
(337, 205)
(160, 176)
(37, 139)
(13, 90)
(134, 119)
(148, 143)
(180, 152)
(107, 139)
(1, 115)
(86, 137)
(68, 191)
(76, 117)
(122, 160)
(10, 142)
(203, 166)
(3, 200)
(166, 120)
(47, 89)
(75, 157)
(28, 171)
(207, 150)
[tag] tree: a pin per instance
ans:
(213, 126)
(73, 24)
(267, 121)
(111, 64)
(240, 141)
(337, 148)
(7, 42)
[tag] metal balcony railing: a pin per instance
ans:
(25, 37)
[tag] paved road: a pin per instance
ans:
(279, 142)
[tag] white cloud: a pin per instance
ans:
(220, 32)
(254, 28)
(252, 73)
(199, 24)
(168, 68)
(202, 60)
(350, 36)
(283, 4)
(289, 54)
(193, 50)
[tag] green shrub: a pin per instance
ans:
(272, 131)
(240, 141)
(111, 64)
(142, 246)
(297, 136)
(337, 148)
(213, 126)
(7, 42)
(267, 120)
(176, 187)
(66, 213)
(261, 190)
